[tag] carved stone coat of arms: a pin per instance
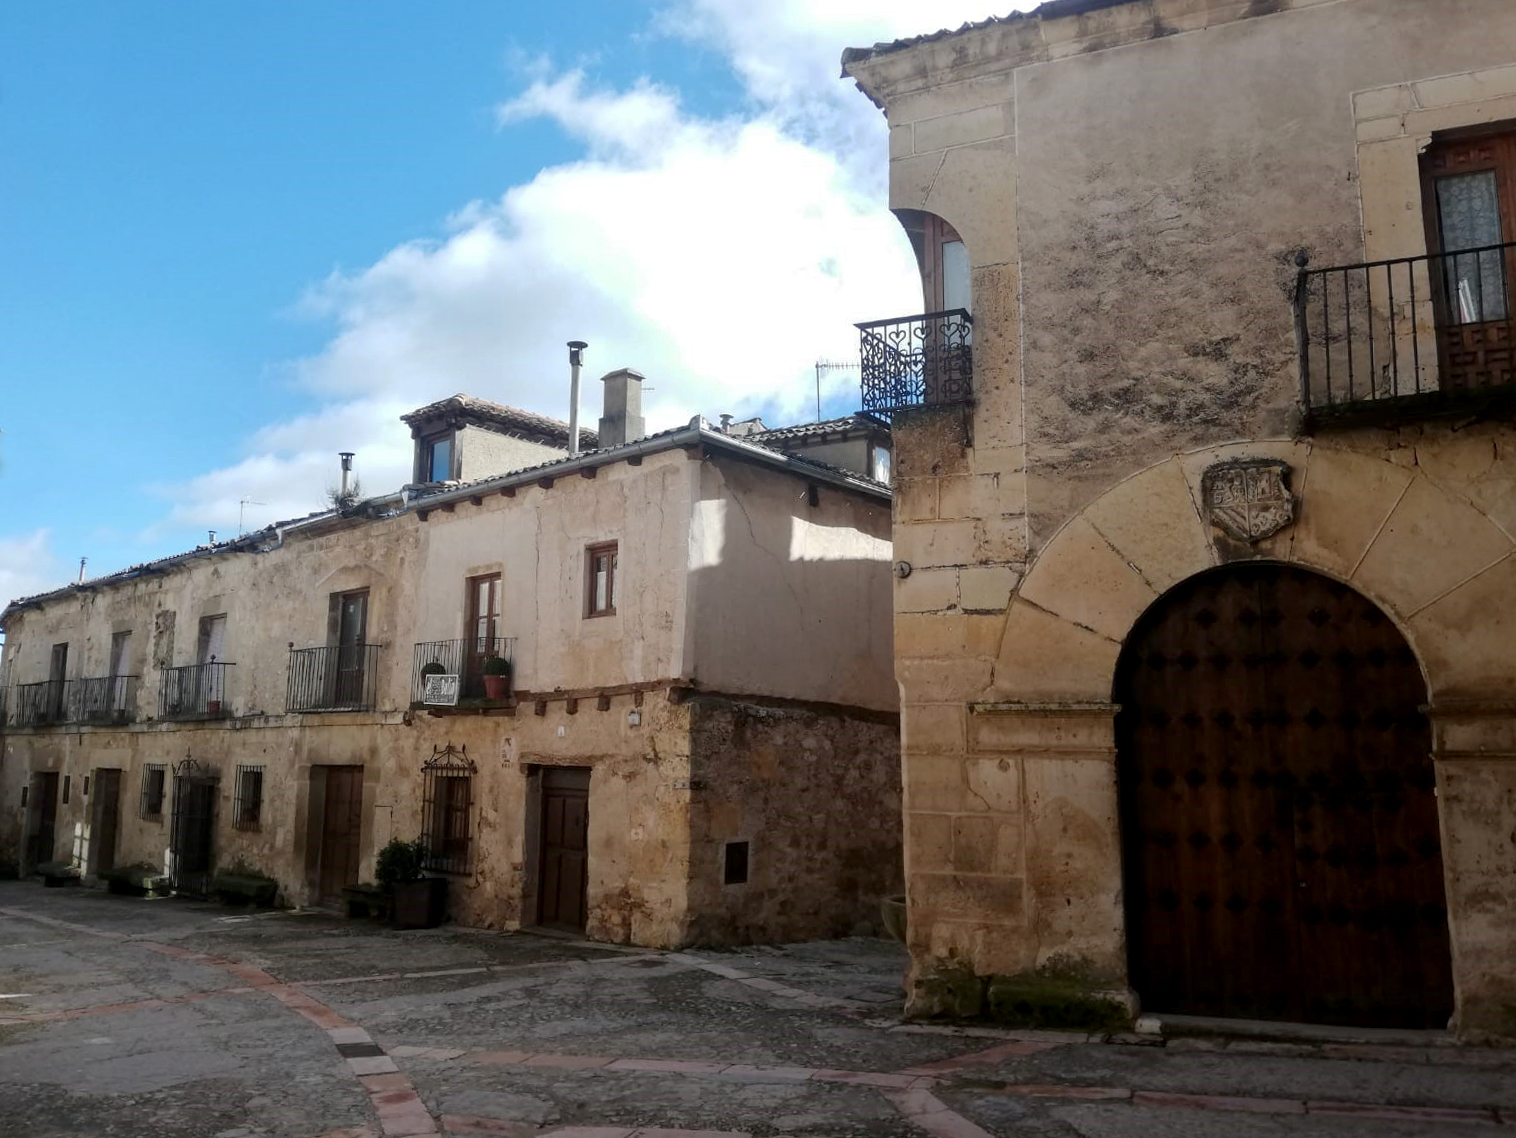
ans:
(1248, 498)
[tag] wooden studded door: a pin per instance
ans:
(341, 831)
(1279, 814)
(565, 847)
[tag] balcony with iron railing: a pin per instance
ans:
(342, 677)
(102, 700)
(40, 704)
(461, 667)
(96, 701)
(195, 691)
(1411, 337)
(917, 361)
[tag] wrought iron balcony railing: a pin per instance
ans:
(917, 361)
(95, 700)
(1408, 337)
(102, 699)
(41, 704)
(462, 658)
(343, 677)
(195, 691)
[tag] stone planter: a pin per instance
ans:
(892, 910)
(420, 904)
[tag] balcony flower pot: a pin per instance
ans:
(497, 678)
(420, 904)
(213, 707)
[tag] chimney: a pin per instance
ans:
(576, 358)
(622, 421)
(726, 423)
(346, 458)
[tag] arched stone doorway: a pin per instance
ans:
(1281, 853)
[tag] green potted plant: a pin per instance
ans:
(417, 901)
(497, 677)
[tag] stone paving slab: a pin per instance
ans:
(1114, 1120)
(177, 1019)
(1451, 1082)
(548, 1097)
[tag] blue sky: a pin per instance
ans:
(238, 238)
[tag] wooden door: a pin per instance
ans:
(1469, 190)
(341, 830)
(57, 675)
(565, 847)
(350, 617)
(481, 632)
(43, 818)
(1279, 815)
(105, 823)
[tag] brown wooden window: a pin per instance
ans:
(436, 458)
(247, 807)
(1469, 193)
(153, 777)
(600, 585)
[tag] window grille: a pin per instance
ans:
(247, 808)
(154, 776)
(449, 796)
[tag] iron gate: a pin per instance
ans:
(197, 788)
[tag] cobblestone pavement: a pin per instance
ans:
(169, 1018)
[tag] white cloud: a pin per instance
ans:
(28, 565)
(720, 256)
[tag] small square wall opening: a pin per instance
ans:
(734, 869)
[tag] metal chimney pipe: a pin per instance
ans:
(576, 357)
(346, 458)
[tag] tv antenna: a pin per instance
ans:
(241, 506)
(829, 366)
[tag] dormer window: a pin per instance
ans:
(434, 458)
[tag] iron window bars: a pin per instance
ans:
(154, 780)
(448, 798)
(247, 803)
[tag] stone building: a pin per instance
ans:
(1205, 619)
(699, 743)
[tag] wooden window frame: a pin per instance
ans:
(424, 446)
(592, 554)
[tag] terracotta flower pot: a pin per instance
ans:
(497, 687)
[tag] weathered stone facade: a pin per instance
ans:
(740, 688)
(1133, 182)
